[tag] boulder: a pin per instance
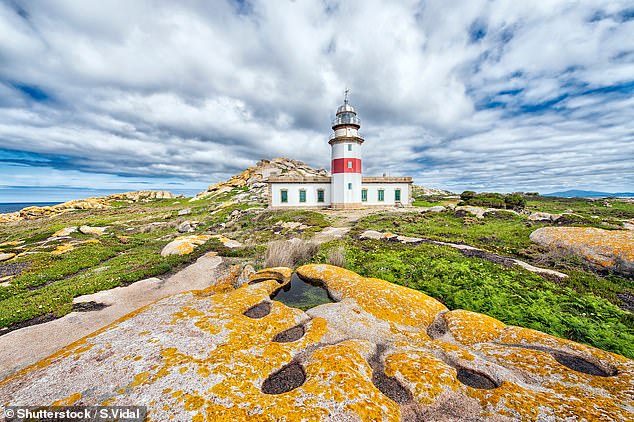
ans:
(476, 211)
(185, 211)
(184, 245)
(437, 208)
(373, 234)
(382, 352)
(543, 216)
(4, 256)
(228, 243)
(95, 231)
(291, 225)
(187, 226)
(608, 249)
(64, 232)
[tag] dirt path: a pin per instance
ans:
(28, 345)
(347, 218)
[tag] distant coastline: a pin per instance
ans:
(6, 207)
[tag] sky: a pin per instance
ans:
(488, 95)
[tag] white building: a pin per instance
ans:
(345, 187)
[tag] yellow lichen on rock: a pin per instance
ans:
(427, 375)
(184, 245)
(381, 353)
(612, 249)
(385, 300)
(471, 327)
(62, 249)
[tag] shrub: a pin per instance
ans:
(290, 253)
(467, 195)
(337, 257)
(514, 201)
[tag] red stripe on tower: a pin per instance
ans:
(346, 165)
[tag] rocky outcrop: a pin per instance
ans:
(184, 245)
(426, 191)
(253, 180)
(142, 195)
(31, 213)
(382, 352)
(608, 249)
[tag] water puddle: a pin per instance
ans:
(302, 294)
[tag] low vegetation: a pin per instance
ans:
(512, 295)
(512, 201)
(588, 306)
(290, 253)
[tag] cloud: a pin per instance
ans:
(491, 95)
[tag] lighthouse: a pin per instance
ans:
(345, 144)
(345, 187)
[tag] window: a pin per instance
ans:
(320, 195)
(381, 195)
(397, 195)
(302, 195)
(349, 147)
(349, 164)
(364, 195)
(284, 195)
(349, 186)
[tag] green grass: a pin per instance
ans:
(583, 307)
(507, 236)
(512, 295)
(135, 263)
(585, 207)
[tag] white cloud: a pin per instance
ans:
(455, 93)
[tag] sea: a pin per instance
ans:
(6, 207)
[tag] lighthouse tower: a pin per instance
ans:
(345, 145)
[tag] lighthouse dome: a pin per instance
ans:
(345, 107)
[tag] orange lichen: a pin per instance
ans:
(385, 300)
(428, 375)
(68, 401)
(203, 359)
(602, 247)
(62, 249)
(470, 327)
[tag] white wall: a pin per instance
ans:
(389, 188)
(346, 131)
(340, 150)
(341, 193)
(293, 194)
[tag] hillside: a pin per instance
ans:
(68, 270)
(252, 181)
(590, 194)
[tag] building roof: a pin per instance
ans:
(327, 179)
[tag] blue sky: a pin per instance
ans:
(479, 94)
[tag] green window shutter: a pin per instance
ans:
(349, 186)
(397, 195)
(349, 147)
(320, 195)
(302, 196)
(284, 197)
(381, 195)
(364, 195)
